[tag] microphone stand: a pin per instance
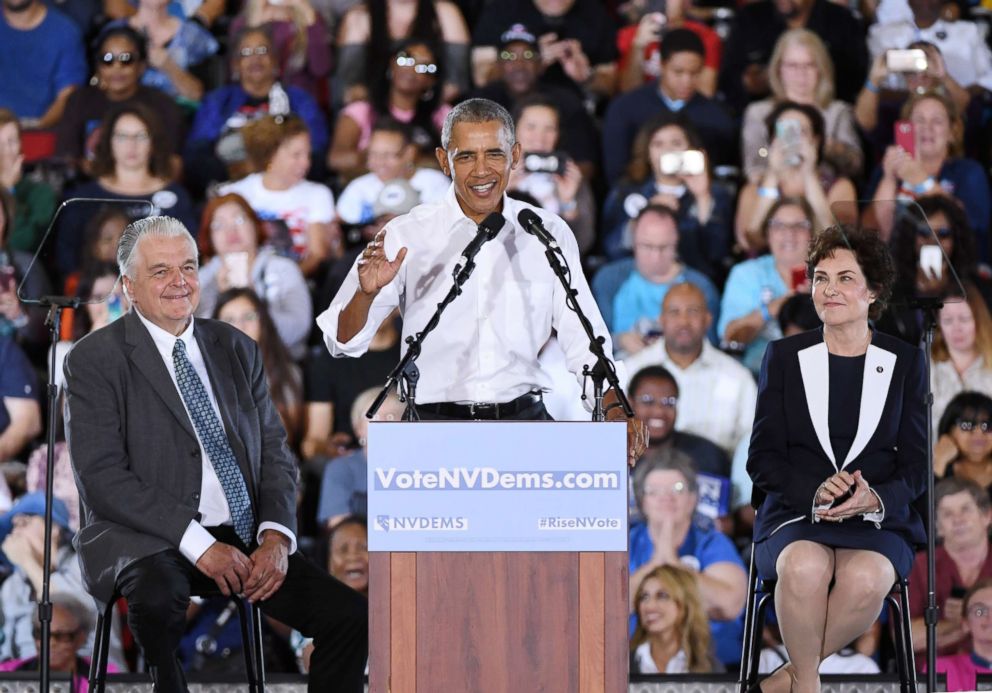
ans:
(55, 305)
(603, 369)
(930, 307)
(406, 374)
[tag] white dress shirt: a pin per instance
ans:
(213, 506)
(717, 394)
(486, 347)
(961, 43)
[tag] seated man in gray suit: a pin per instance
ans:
(184, 473)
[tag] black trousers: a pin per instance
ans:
(157, 589)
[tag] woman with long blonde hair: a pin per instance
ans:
(672, 634)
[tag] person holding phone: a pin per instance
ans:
(795, 169)
(231, 243)
(934, 167)
(704, 210)
(756, 289)
(563, 190)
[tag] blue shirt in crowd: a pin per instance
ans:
(17, 378)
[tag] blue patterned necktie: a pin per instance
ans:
(211, 432)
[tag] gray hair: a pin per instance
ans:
(664, 459)
(479, 111)
(166, 227)
(71, 603)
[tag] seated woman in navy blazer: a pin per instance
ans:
(838, 455)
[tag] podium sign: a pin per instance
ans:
(497, 486)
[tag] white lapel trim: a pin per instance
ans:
(814, 364)
(879, 365)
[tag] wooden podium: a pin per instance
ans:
(497, 621)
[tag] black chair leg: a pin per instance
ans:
(256, 622)
(907, 629)
(97, 653)
(744, 681)
(101, 645)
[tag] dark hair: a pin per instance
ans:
(205, 242)
(810, 111)
(798, 310)
(953, 485)
(535, 100)
(963, 257)
(425, 28)
(124, 31)
(422, 125)
(393, 126)
(681, 41)
(964, 402)
(91, 234)
(778, 204)
(81, 322)
(870, 253)
(651, 373)
(159, 161)
(263, 136)
(285, 387)
(639, 167)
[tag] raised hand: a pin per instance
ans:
(375, 270)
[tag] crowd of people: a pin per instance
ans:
(695, 158)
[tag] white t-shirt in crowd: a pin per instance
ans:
(358, 197)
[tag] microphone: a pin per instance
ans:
(532, 225)
(488, 229)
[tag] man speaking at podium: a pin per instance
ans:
(482, 362)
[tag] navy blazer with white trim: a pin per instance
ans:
(791, 455)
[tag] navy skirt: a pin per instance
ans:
(850, 534)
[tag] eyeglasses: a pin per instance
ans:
(679, 488)
(138, 137)
(651, 247)
(404, 60)
(796, 67)
(510, 56)
(248, 51)
(650, 400)
(968, 425)
(794, 226)
(60, 636)
(979, 611)
(125, 58)
(942, 233)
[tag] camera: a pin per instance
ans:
(910, 60)
(688, 163)
(553, 162)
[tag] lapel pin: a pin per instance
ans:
(879, 369)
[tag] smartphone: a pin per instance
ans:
(905, 136)
(932, 261)
(687, 163)
(798, 276)
(910, 60)
(553, 162)
(789, 131)
(237, 269)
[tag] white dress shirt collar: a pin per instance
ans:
(165, 341)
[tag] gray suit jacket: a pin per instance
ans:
(134, 453)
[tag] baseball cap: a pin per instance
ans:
(517, 33)
(396, 197)
(34, 504)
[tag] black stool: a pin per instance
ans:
(760, 591)
(251, 643)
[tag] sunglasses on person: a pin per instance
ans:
(510, 56)
(248, 51)
(125, 58)
(649, 400)
(969, 425)
(404, 60)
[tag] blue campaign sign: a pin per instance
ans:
(497, 486)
